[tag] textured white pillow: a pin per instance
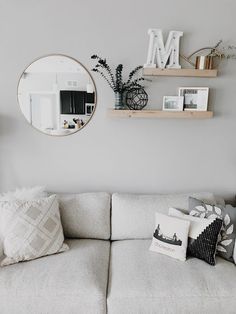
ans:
(30, 229)
(170, 236)
(21, 194)
(25, 194)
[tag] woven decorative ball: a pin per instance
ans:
(136, 99)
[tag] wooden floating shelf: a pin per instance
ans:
(160, 114)
(179, 72)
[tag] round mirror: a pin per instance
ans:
(57, 95)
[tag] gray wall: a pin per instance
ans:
(147, 155)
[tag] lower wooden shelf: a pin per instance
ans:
(160, 114)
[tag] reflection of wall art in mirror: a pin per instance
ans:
(57, 95)
(89, 109)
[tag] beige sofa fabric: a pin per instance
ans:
(73, 282)
(142, 281)
(85, 215)
(133, 216)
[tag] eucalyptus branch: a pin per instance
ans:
(132, 73)
(103, 75)
(118, 75)
(115, 81)
(135, 85)
(107, 67)
(134, 82)
(103, 63)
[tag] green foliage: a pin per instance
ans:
(115, 81)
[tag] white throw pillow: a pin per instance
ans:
(25, 194)
(30, 229)
(21, 194)
(170, 236)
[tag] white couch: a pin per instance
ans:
(109, 268)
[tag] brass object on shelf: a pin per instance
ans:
(204, 62)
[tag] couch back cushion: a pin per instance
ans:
(133, 216)
(85, 215)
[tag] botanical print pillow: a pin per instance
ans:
(203, 235)
(30, 229)
(227, 213)
(170, 236)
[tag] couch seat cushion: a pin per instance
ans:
(145, 282)
(73, 282)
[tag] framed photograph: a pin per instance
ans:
(195, 98)
(173, 103)
(89, 109)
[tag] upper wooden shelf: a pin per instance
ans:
(179, 72)
(160, 114)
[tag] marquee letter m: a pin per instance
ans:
(159, 54)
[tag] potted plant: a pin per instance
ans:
(115, 80)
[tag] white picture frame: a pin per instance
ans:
(173, 103)
(89, 109)
(195, 98)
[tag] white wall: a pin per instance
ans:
(112, 154)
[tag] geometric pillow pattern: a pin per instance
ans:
(204, 246)
(35, 192)
(30, 229)
(227, 213)
(203, 235)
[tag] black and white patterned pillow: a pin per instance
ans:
(203, 235)
(227, 213)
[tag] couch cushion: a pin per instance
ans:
(133, 216)
(73, 282)
(146, 282)
(85, 215)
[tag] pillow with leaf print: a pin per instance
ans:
(227, 213)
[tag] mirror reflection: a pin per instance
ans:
(57, 95)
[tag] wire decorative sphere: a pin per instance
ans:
(136, 99)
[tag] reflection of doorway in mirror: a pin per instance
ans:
(44, 111)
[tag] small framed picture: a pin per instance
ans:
(173, 103)
(89, 109)
(195, 98)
